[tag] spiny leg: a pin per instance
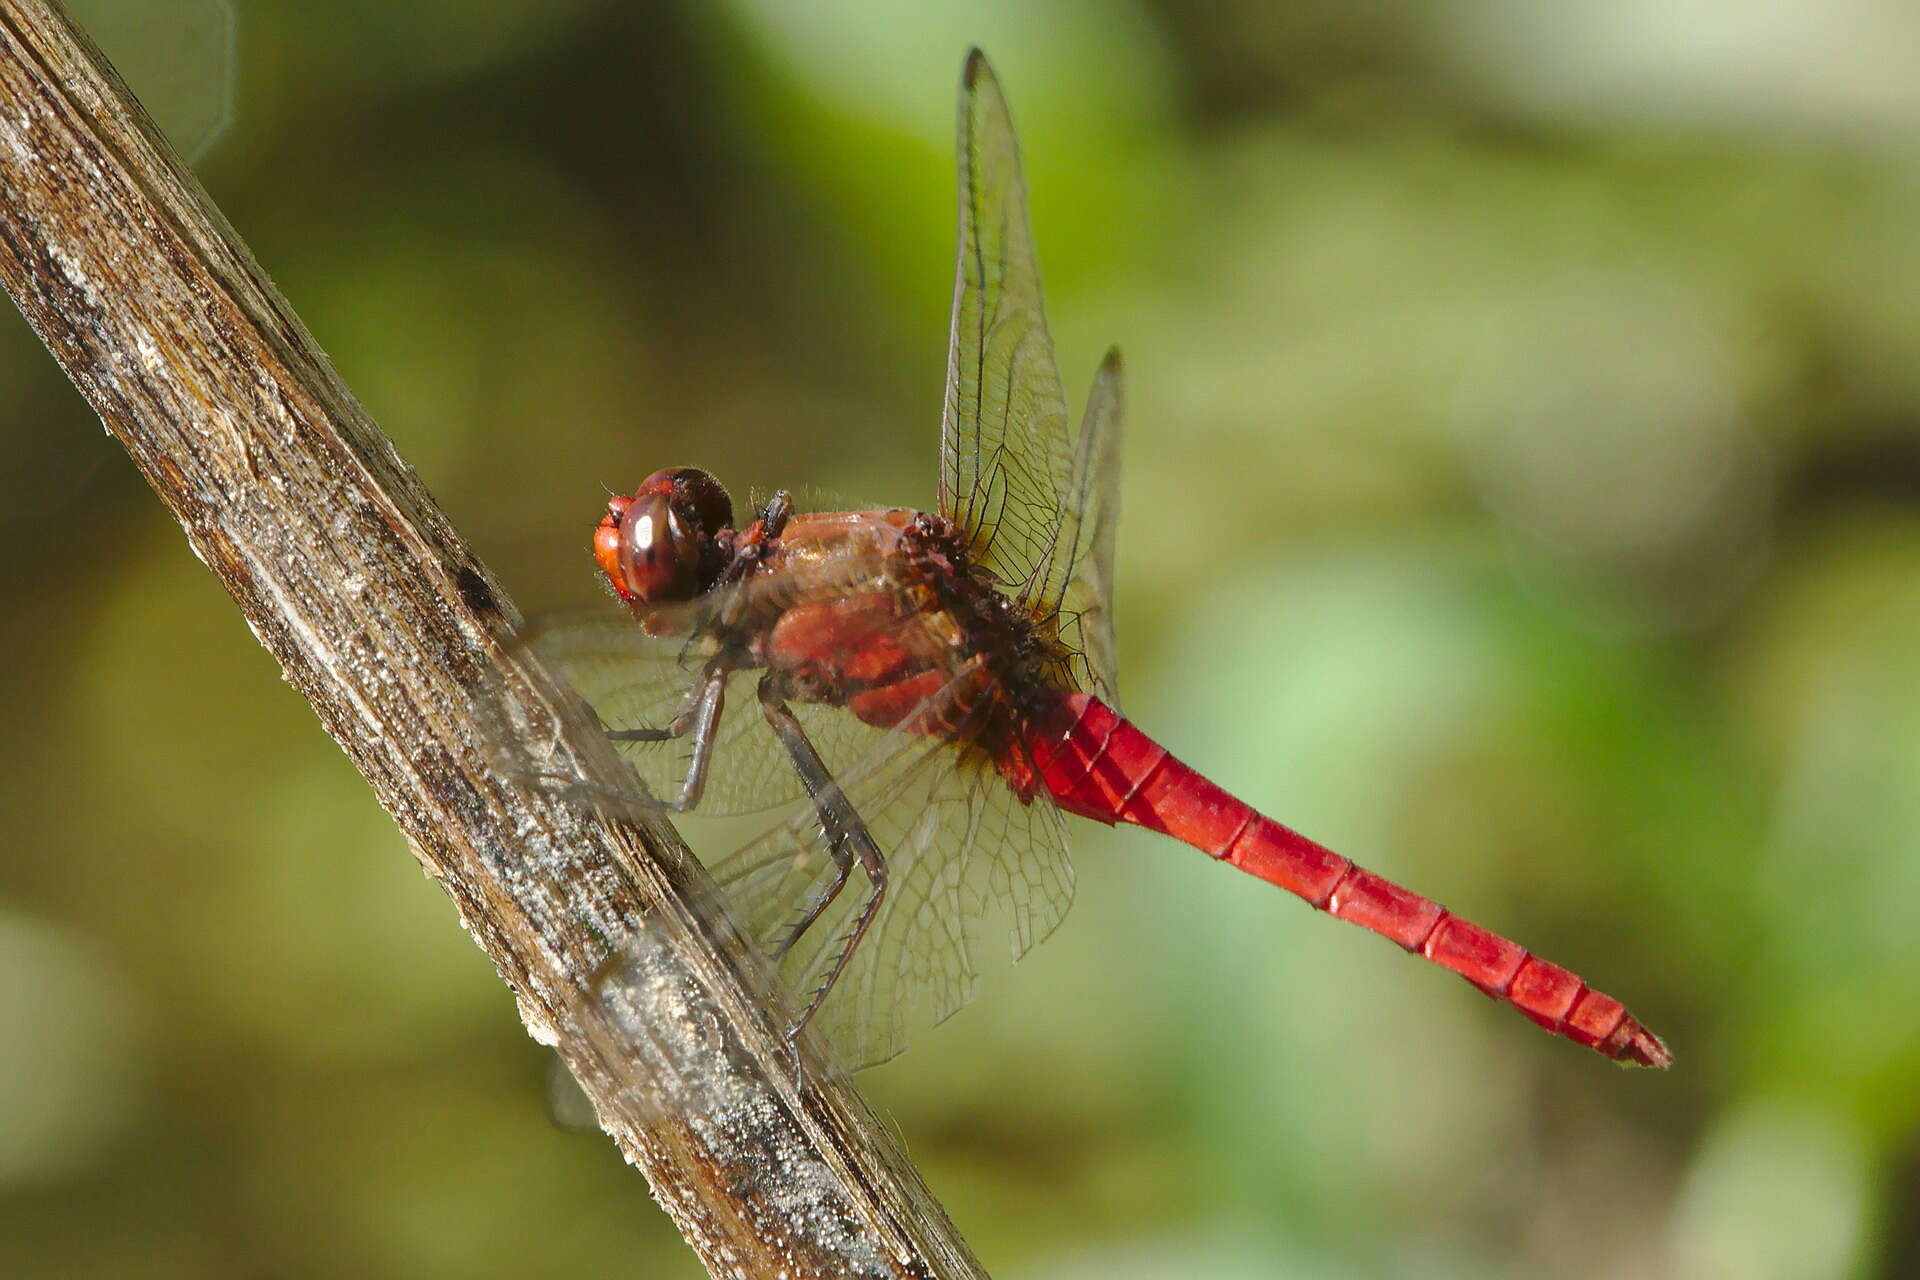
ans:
(843, 866)
(877, 874)
(847, 836)
(700, 717)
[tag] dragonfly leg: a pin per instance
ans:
(699, 717)
(821, 901)
(877, 874)
(773, 516)
(848, 838)
(758, 540)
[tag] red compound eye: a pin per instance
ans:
(658, 546)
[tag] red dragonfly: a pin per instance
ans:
(940, 686)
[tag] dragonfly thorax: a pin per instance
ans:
(992, 626)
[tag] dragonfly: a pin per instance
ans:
(932, 693)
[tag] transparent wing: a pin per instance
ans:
(633, 680)
(964, 854)
(1091, 511)
(636, 681)
(1005, 453)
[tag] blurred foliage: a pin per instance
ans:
(1523, 496)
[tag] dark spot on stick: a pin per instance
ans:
(475, 591)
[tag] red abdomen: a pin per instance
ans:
(1098, 764)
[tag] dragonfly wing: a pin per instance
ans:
(1005, 453)
(1038, 510)
(1091, 511)
(962, 850)
(633, 680)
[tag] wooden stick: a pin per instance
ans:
(609, 937)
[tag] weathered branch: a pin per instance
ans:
(346, 570)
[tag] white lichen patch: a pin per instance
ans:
(677, 1042)
(73, 271)
(148, 352)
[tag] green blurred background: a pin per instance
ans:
(1523, 496)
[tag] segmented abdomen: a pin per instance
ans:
(1098, 764)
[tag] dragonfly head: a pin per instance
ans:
(662, 544)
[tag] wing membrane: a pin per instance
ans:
(633, 680)
(961, 849)
(1038, 510)
(1005, 454)
(1091, 511)
(636, 681)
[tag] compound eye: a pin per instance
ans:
(703, 497)
(658, 558)
(698, 499)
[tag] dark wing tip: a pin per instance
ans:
(977, 67)
(1110, 363)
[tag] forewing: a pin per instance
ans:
(1091, 512)
(964, 854)
(636, 681)
(1005, 455)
